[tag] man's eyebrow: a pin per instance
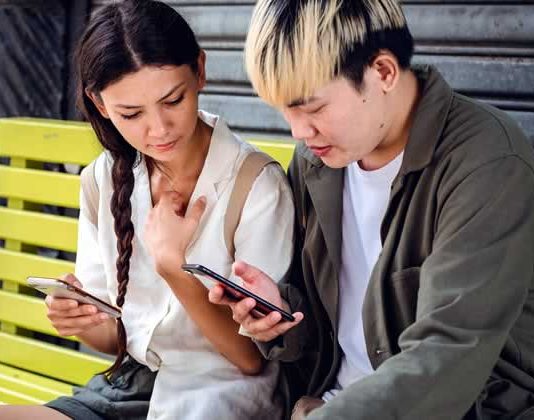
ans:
(302, 101)
(174, 89)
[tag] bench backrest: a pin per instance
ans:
(26, 186)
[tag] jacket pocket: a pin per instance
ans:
(405, 287)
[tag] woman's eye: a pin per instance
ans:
(176, 101)
(130, 116)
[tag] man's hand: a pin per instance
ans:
(265, 328)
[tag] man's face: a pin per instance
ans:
(340, 124)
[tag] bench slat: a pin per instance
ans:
(26, 312)
(8, 396)
(39, 229)
(53, 361)
(17, 266)
(44, 187)
(32, 385)
(48, 140)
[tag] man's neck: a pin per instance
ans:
(405, 100)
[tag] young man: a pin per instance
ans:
(412, 282)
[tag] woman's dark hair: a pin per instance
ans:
(120, 39)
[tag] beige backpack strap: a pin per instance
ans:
(90, 189)
(251, 167)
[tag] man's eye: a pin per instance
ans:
(176, 101)
(130, 116)
(316, 110)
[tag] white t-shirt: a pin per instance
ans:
(365, 200)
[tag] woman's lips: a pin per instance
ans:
(164, 146)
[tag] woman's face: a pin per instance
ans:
(155, 109)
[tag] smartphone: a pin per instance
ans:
(236, 292)
(61, 289)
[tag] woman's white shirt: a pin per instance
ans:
(194, 380)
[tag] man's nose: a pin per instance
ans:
(301, 128)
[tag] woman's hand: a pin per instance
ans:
(70, 317)
(168, 232)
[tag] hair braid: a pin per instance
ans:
(121, 209)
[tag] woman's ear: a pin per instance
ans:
(201, 66)
(97, 101)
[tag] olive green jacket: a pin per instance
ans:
(449, 310)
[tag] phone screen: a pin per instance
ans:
(236, 292)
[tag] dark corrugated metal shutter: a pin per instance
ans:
(36, 42)
(485, 49)
(32, 58)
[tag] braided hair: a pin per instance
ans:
(120, 39)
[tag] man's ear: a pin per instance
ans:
(387, 69)
(97, 101)
(201, 66)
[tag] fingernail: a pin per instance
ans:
(103, 317)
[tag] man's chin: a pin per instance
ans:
(335, 162)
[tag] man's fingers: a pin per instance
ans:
(271, 324)
(217, 296)
(277, 330)
(249, 273)
(242, 310)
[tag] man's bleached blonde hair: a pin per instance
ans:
(294, 47)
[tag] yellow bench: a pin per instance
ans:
(33, 371)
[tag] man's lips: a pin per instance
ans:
(320, 150)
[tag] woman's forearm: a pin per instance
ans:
(215, 322)
(102, 338)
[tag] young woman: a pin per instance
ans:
(164, 183)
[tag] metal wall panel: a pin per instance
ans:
(485, 49)
(32, 58)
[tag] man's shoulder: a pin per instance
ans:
(477, 133)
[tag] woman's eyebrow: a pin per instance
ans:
(159, 100)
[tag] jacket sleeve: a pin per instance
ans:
(472, 289)
(290, 346)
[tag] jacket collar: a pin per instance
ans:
(429, 121)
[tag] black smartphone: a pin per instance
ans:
(236, 292)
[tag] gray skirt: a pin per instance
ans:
(125, 395)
